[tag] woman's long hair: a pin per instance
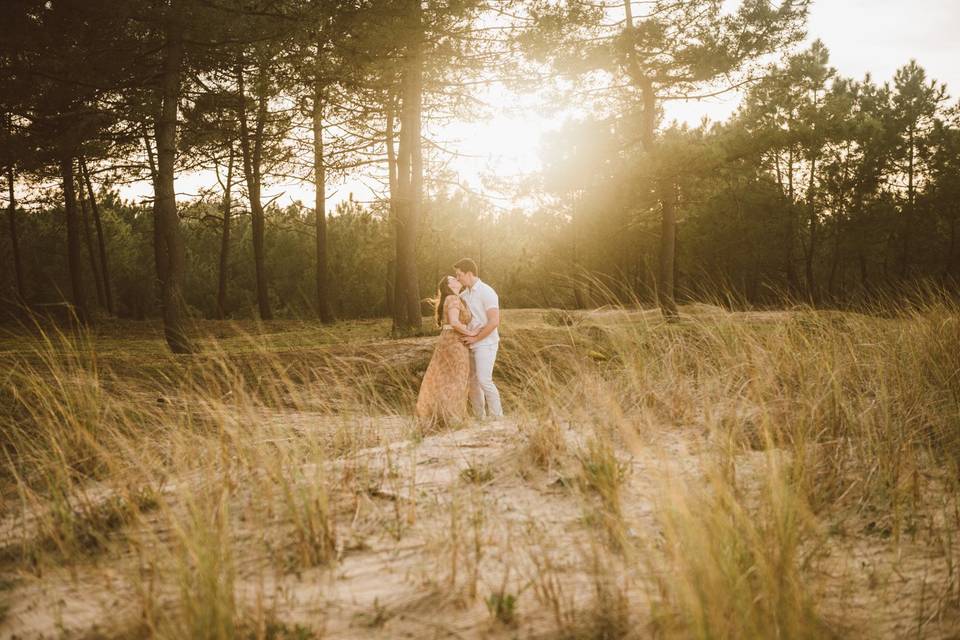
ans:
(443, 290)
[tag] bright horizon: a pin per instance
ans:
(863, 36)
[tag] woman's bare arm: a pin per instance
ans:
(453, 318)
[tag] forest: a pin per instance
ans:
(822, 189)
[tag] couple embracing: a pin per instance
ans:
(468, 314)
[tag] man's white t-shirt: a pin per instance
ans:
(479, 298)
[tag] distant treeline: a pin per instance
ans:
(820, 189)
(526, 256)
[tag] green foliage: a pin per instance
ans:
(820, 189)
(503, 607)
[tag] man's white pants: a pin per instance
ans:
(482, 389)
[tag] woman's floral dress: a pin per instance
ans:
(443, 392)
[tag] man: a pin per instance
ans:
(484, 306)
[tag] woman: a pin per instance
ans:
(443, 392)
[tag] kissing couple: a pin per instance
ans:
(468, 314)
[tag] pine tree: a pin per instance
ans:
(674, 50)
(917, 104)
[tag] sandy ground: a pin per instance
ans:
(424, 548)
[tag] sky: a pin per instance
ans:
(875, 36)
(881, 35)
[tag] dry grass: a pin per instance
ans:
(728, 475)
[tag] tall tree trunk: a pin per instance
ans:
(91, 254)
(225, 240)
(410, 177)
(835, 260)
(101, 243)
(320, 206)
(791, 239)
(397, 311)
(910, 213)
(252, 159)
(666, 189)
(159, 252)
(666, 194)
(578, 298)
(74, 259)
(401, 319)
(168, 220)
(668, 246)
(415, 87)
(14, 237)
(813, 224)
